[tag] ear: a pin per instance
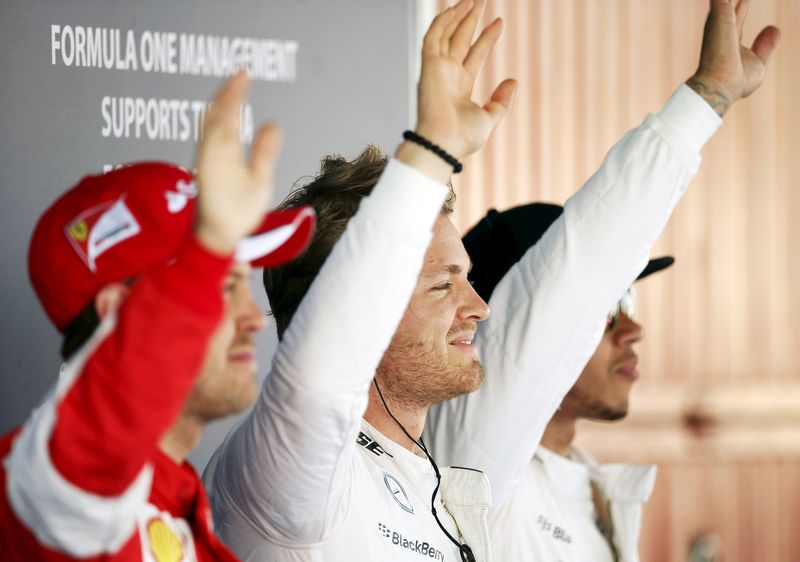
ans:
(110, 298)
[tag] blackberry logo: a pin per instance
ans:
(423, 548)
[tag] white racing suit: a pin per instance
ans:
(303, 477)
(549, 312)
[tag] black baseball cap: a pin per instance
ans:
(500, 239)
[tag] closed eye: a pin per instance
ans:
(443, 287)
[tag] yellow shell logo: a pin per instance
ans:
(165, 546)
(79, 231)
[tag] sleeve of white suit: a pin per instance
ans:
(549, 310)
(286, 467)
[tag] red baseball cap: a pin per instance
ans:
(117, 225)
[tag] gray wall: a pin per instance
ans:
(336, 76)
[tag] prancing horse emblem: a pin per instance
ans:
(397, 491)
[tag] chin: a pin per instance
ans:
(236, 401)
(223, 409)
(466, 378)
(477, 376)
(615, 415)
(598, 410)
(246, 399)
(610, 413)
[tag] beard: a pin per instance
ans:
(581, 404)
(414, 374)
(222, 389)
(212, 400)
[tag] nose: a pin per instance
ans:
(627, 331)
(251, 318)
(474, 307)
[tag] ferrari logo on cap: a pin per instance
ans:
(100, 228)
(79, 230)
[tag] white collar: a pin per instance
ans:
(412, 466)
(619, 482)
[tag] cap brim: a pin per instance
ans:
(281, 237)
(656, 264)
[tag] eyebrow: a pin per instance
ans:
(452, 269)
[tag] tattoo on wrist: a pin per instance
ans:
(718, 101)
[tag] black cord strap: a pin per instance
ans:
(435, 148)
(464, 551)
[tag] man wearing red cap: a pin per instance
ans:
(146, 272)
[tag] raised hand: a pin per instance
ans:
(728, 70)
(451, 61)
(233, 196)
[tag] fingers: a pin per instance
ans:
(266, 147)
(431, 43)
(462, 37)
(741, 14)
(502, 98)
(483, 46)
(223, 116)
(766, 42)
(437, 38)
(460, 10)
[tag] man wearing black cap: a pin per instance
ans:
(549, 309)
(569, 500)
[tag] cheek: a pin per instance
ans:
(417, 316)
(594, 367)
(415, 311)
(600, 361)
(594, 375)
(410, 326)
(416, 328)
(431, 317)
(223, 337)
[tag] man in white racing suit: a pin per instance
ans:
(326, 466)
(577, 508)
(550, 308)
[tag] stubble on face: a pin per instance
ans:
(224, 388)
(585, 404)
(602, 390)
(414, 374)
(227, 381)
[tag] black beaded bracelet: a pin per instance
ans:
(436, 149)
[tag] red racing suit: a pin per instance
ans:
(83, 478)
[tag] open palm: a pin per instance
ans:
(233, 196)
(450, 64)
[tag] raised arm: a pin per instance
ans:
(78, 472)
(233, 194)
(728, 70)
(284, 471)
(548, 311)
(447, 115)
